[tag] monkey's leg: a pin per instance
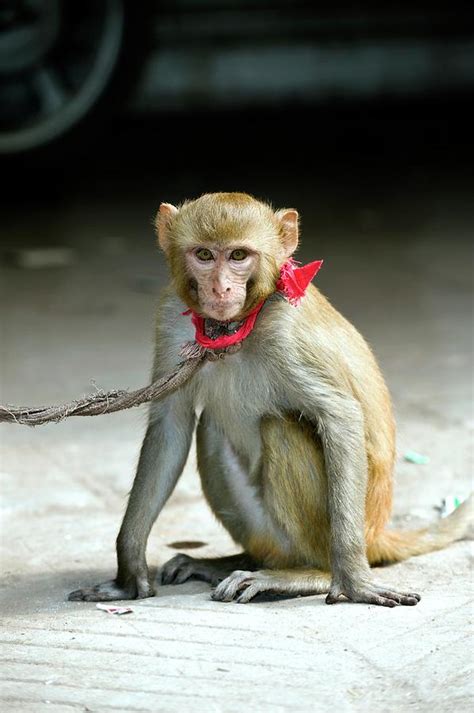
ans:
(243, 586)
(208, 569)
(216, 473)
(162, 458)
(233, 495)
(295, 489)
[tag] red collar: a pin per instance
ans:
(292, 283)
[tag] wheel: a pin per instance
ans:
(59, 60)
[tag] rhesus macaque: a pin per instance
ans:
(295, 433)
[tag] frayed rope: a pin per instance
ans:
(103, 402)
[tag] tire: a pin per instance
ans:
(63, 67)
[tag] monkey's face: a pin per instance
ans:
(219, 277)
(225, 251)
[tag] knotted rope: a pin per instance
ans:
(102, 402)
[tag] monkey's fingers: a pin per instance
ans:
(111, 591)
(370, 594)
(406, 598)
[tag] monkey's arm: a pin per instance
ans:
(339, 421)
(162, 458)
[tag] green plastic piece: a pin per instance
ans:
(418, 458)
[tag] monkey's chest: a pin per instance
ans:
(236, 394)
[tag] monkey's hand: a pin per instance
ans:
(364, 590)
(135, 588)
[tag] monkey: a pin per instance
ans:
(295, 433)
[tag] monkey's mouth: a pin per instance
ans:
(220, 312)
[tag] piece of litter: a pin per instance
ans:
(354, 692)
(414, 457)
(114, 610)
(449, 505)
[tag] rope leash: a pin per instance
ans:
(103, 402)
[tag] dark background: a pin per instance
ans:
(359, 119)
(214, 95)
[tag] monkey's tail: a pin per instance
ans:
(393, 546)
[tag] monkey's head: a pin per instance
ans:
(225, 251)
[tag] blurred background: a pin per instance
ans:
(63, 64)
(359, 117)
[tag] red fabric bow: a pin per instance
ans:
(294, 280)
(292, 283)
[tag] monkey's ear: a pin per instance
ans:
(289, 230)
(163, 220)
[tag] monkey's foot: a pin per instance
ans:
(243, 586)
(138, 588)
(372, 594)
(213, 570)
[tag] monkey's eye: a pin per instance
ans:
(204, 254)
(238, 254)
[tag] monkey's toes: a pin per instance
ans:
(181, 567)
(243, 586)
(177, 570)
(230, 587)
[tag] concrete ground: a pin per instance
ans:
(397, 252)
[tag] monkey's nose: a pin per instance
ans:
(220, 292)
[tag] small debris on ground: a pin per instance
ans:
(449, 505)
(186, 544)
(114, 610)
(414, 457)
